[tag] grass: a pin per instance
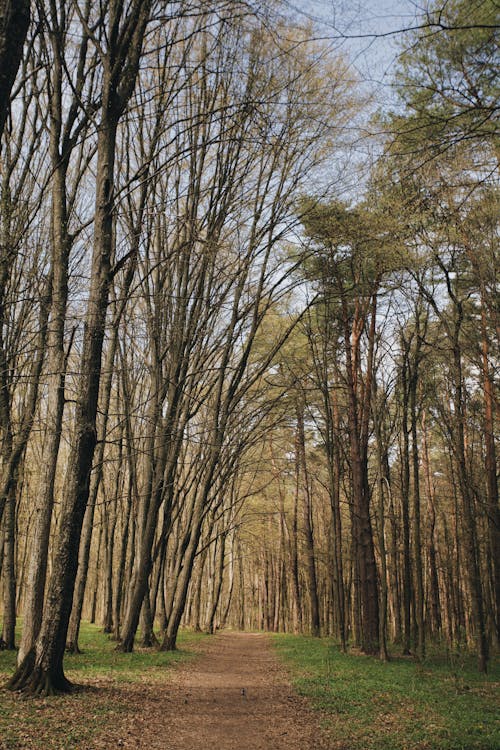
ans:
(71, 722)
(401, 705)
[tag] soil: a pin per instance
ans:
(234, 696)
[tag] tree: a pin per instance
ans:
(41, 670)
(67, 126)
(14, 24)
(439, 248)
(23, 315)
(350, 248)
(448, 79)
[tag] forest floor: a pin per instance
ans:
(229, 692)
(235, 696)
(232, 691)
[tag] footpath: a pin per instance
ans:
(234, 696)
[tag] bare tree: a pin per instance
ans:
(67, 128)
(120, 47)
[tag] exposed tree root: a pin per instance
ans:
(72, 647)
(37, 682)
(23, 672)
(169, 644)
(125, 647)
(150, 640)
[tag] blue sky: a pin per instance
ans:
(366, 34)
(372, 56)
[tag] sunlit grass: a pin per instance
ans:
(369, 705)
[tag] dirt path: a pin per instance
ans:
(234, 696)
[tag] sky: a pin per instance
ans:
(365, 32)
(371, 56)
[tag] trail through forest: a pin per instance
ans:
(235, 696)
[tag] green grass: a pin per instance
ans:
(70, 722)
(402, 705)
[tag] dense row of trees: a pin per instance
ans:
(223, 402)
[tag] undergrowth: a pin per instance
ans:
(442, 704)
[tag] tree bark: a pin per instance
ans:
(493, 510)
(405, 507)
(358, 437)
(307, 513)
(14, 23)
(435, 602)
(470, 529)
(41, 671)
(419, 580)
(9, 571)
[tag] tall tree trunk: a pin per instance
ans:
(181, 585)
(470, 531)
(218, 581)
(110, 526)
(14, 23)
(231, 579)
(493, 511)
(197, 592)
(95, 482)
(381, 479)
(14, 449)
(96, 581)
(122, 557)
(395, 588)
(405, 512)
(294, 554)
(148, 638)
(361, 522)
(164, 467)
(435, 603)
(41, 671)
(332, 429)
(419, 573)
(307, 520)
(9, 570)
(61, 145)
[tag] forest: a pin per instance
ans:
(249, 330)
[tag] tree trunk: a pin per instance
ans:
(307, 513)
(14, 449)
(95, 483)
(41, 671)
(218, 580)
(361, 521)
(471, 547)
(143, 562)
(9, 571)
(381, 479)
(419, 580)
(435, 603)
(122, 558)
(110, 526)
(294, 554)
(14, 23)
(148, 638)
(182, 583)
(60, 146)
(405, 513)
(197, 592)
(334, 465)
(493, 511)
